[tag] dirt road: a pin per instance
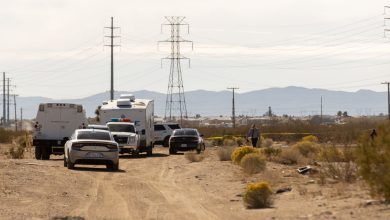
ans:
(164, 187)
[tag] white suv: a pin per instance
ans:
(163, 131)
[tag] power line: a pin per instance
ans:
(175, 101)
(233, 106)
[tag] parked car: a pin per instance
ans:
(163, 131)
(186, 139)
(91, 146)
(99, 127)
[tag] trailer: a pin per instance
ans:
(138, 111)
(55, 123)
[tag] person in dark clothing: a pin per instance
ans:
(254, 135)
(373, 134)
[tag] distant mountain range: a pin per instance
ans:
(291, 100)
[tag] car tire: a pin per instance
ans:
(135, 153)
(38, 152)
(149, 152)
(198, 151)
(69, 163)
(113, 167)
(65, 162)
(172, 150)
(45, 153)
(166, 141)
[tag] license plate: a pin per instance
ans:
(183, 145)
(94, 155)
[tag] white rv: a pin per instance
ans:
(139, 111)
(55, 123)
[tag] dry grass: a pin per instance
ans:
(194, 157)
(267, 143)
(290, 156)
(225, 153)
(253, 163)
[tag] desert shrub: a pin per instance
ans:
(217, 141)
(290, 156)
(338, 163)
(16, 152)
(268, 142)
(229, 142)
(253, 163)
(258, 195)
(373, 160)
(240, 141)
(271, 152)
(306, 148)
(193, 156)
(240, 152)
(310, 138)
(225, 153)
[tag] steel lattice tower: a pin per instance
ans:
(175, 102)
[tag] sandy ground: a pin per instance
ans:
(170, 187)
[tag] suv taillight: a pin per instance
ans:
(112, 146)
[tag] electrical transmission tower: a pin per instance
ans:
(175, 102)
(112, 45)
(233, 106)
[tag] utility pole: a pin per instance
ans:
(388, 98)
(233, 106)
(3, 121)
(7, 100)
(321, 110)
(16, 120)
(21, 119)
(175, 101)
(111, 45)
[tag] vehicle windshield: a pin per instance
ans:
(185, 132)
(121, 128)
(93, 135)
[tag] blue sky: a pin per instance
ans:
(54, 48)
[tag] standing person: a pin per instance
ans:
(254, 135)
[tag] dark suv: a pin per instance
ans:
(186, 139)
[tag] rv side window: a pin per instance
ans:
(159, 127)
(41, 108)
(79, 108)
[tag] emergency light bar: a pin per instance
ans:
(120, 120)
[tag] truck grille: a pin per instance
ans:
(121, 140)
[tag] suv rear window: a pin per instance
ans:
(173, 127)
(93, 135)
(159, 127)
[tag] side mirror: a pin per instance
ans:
(66, 139)
(143, 132)
(136, 132)
(114, 136)
(201, 135)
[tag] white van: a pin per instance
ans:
(138, 111)
(55, 123)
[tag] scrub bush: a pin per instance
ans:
(306, 148)
(253, 163)
(240, 152)
(258, 195)
(373, 160)
(268, 142)
(310, 138)
(225, 153)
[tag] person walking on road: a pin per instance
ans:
(254, 135)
